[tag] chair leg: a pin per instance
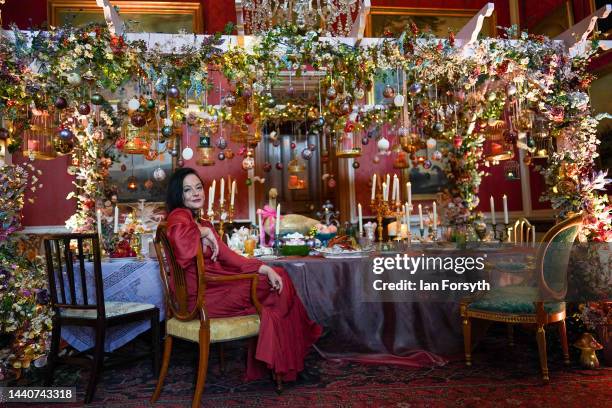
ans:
(53, 352)
(96, 366)
(467, 340)
(564, 346)
(164, 367)
(221, 358)
(541, 338)
(202, 367)
(155, 342)
(510, 328)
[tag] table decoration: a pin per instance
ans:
(294, 244)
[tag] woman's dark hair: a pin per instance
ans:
(174, 197)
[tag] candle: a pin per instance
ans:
(277, 220)
(116, 224)
(388, 180)
(404, 231)
(394, 192)
(360, 220)
(222, 191)
(210, 198)
(233, 193)
(420, 216)
(435, 216)
(214, 187)
(384, 189)
(396, 189)
(261, 231)
(533, 237)
(373, 187)
(492, 210)
(99, 216)
(505, 201)
(409, 193)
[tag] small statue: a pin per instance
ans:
(272, 195)
(588, 345)
(328, 216)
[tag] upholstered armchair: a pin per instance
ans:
(540, 303)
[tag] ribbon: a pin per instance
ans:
(267, 212)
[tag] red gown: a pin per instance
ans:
(286, 332)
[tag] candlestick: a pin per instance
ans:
(505, 202)
(492, 211)
(360, 220)
(373, 186)
(222, 191)
(380, 207)
(99, 220)
(116, 223)
(233, 193)
(421, 217)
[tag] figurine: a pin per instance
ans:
(587, 345)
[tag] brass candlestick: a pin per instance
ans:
(381, 208)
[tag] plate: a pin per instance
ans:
(343, 254)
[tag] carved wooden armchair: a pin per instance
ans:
(540, 303)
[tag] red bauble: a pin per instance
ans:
(248, 118)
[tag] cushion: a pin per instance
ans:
(112, 309)
(221, 329)
(513, 299)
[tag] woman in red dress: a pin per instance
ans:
(286, 332)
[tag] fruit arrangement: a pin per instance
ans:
(343, 241)
(123, 249)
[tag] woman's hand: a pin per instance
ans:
(209, 239)
(273, 277)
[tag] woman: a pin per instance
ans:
(286, 333)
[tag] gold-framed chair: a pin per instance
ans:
(539, 304)
(523, 232)
(196, 325)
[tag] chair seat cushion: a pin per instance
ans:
(513, 299)
(221, 329)
(112, 309)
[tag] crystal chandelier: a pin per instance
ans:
(333, 16)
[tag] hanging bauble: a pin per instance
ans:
(427, 164)
(348, 128)
(123, 167)
(173, 91)
(150, 104)
(431, 143)
(457, 141)
(312, 147)
(271, 102)
(383, 144)
(248, 163)
(415, 88)
(248, 118)
(229, 100)
(229, 154)
(163, 113)
(138, 120)
(159, 174)
(248, 181)
(221, 156)
(221, 143)
(359, 93)
(389, 92)
(331, 93)
(293, 145)
(63, 146)
(133, 104)
(97, 99)
(290, 91)
(398, 100)
(491, 97)
(279, 166)
(511, 89)
(276, 142)
(346, 108)
(148, 184)
(174, 152)
(321, 121)
(331, 183)
(167, 131)
(60, 102)
(356, 164)
(436, 155)
(180, 162)
(151, 155)
(439, 127)
(66, 134)
(365, 140)
(531, 143)
(74, 78)
(307, 154)
(84, 108)
(247, 92)
(267, 167)
(120, 143)
(187, 153)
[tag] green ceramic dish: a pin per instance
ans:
(300, 250)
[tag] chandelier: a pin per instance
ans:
(333, 16)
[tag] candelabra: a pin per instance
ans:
(502, 235)
(381, 208)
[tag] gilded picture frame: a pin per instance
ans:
(396, 19)
(140, 16)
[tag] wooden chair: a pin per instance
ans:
(75, 303)
(196, 325)
(539, 304)
(523, 232)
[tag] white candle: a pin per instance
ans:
(277, 220)
(373, 187)
(210, 196)
(435, 216)
(388, 180)
(396, 189)
(492, 210)
(360, 220)
(409, 193)
(408, 210)
(384, 187)
(222, 192)
(505, 201)
(261, 231)
(420, 216)
(233, 193)
(533, 237)
(116, 223)
(214, 187)
(99, 219)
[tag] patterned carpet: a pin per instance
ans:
(501, 376)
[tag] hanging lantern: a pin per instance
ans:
(401, 159)
(348, 145)
(132, 183)
(137, 140)
(296, 175)
(38, 140)
(206, 156)
(511, 170)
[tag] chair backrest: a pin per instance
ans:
(523, 232)
(553, 257)
(70, 288)
(174, 280)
